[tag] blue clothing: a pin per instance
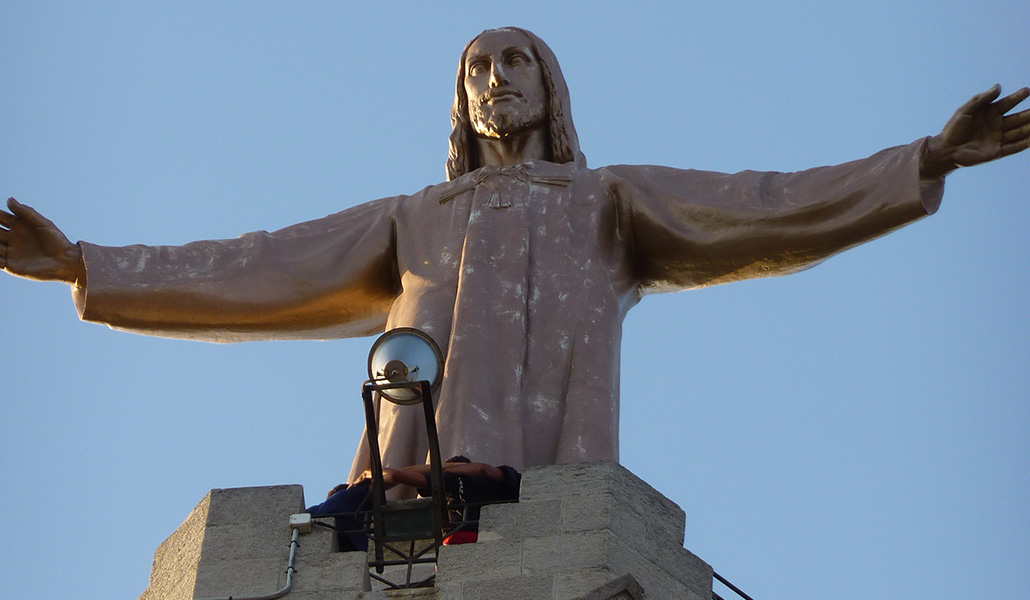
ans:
(349, 527)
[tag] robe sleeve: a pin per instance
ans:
(328, 278)
(693, 228)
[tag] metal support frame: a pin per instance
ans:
(404, 521)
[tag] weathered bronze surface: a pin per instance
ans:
(522, 266)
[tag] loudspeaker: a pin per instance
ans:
(403, 355)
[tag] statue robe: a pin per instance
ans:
(522, 275)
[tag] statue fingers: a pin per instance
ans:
(1014, 147)
(1015, 135)
(1015, 120)
(1015, 140)
(24, 211)
(1005, 104)
(980, 101)
(31, 216)
(7, 218)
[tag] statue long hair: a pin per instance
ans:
(564, 142)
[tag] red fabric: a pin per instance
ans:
(461, 537)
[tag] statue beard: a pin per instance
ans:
(503, 120)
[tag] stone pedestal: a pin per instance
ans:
(587, 531)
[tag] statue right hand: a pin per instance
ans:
(32, 246)
(981, 130)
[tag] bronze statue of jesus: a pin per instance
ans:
(522, 266)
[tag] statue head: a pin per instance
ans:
(504, 88)
(549, 106)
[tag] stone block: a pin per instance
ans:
(662, 514)
(570, 585)
(174, 571)
(562, 481)
(246, 523)
(520, 587)
(236, 541)
(228, 506)
(588, 512)
(330, 571)
(319, 541)
(685, 566)
(606, 477)
(426, 593)
(246, 577)
(523, 520)
(498, 524)
(430, 593)
(625, 587)
(501, 558)
(323, 595)
(565, 551)
(398, 575)
(656, 582)
(447, 590)
(247, 539)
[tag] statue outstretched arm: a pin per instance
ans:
(333, 277)
(328, 278)
(978, 132)
(31, 246)
(696, 228)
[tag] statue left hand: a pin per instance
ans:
(978, 132)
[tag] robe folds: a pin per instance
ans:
(523, 276)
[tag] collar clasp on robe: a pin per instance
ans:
(498, 178)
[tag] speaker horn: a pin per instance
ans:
(405, 355)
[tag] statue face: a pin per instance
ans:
(504, 84)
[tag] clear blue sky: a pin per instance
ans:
(859, 430)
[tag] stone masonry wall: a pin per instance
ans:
(586, 531)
